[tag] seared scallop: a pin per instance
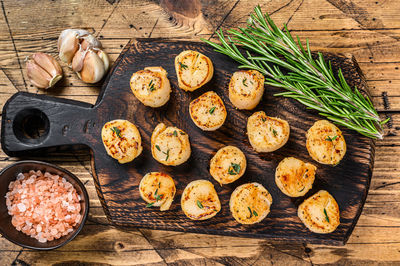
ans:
(246, 89)
(320, 213)
(208, 111)
(325, 143)
(228, 165)
(200, 200)
(151, 86)
(193, 70)
(267, 134)
(121, 140)
(250, 203)
(294, 177)
(158, 190)
(170, 145)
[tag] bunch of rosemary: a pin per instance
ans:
(310, 81)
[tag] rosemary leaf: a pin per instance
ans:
(287, 64)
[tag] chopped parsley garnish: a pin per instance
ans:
(158, 147)
(175, 133)
(234, 169)
(331, 139)
(212, 110)
(274, 132)
(302, 189)
(149, 205)
(326, 216)
(116, 131)
(255, 213)
(244, 82)
(182, 133)
(263, 119)
(183, 66)
(199, 204)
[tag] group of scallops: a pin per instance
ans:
(249, 203)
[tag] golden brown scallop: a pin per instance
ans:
(294, 177)
(200, 200)
(250, 203)
(246, 89)
(170, 145)
(267, 134)
(320, 213)
(228, 165)
(208, 111)
(158, 190)
(193, 70)
(326, 143)
(121, 140)
(151, 86)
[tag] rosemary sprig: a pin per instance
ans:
(307, 80)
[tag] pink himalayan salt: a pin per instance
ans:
(43, 206)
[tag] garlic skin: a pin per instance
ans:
(43, 70)
(83, 53)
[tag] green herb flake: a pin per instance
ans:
(175, 133)
(302, 189)
(255, 213)
(326, 216)
(199, 204)
(234, 169)
(251, 213)
(244, 82)
(158, 197)
(158, 147)
(274, 132)
(116, 131)
(331, 138)
(263, 119)
(182, 133)
(167, 153)
(183, 66)
(149, 205)
(212, 110)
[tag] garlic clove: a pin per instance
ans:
(37, 75)
(93, 68)
(77, 61)
(90, 41)
(48, 63)
(104, 57)
(68, 45)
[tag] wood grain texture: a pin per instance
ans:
(118, 184)
(375, 238)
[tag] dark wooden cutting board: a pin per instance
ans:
(36, 122)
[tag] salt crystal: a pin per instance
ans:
(20, 176)
(21, 207)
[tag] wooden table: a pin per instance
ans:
(368, 29)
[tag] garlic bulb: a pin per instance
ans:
(84, 54)
(43, 70)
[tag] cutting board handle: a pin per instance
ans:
(32, 122)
